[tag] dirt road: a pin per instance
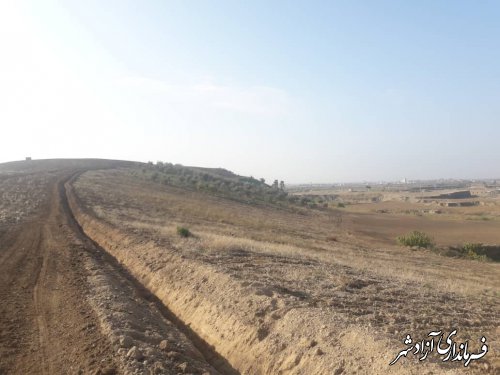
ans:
(47, 325)
(68, 308)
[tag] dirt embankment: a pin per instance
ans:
(258, 328)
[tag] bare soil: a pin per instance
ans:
(95, 279)
(379, 216)
(69, 308)
(283, 286)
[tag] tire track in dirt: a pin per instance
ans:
(19, 268)
(43, 331)
(43, 301)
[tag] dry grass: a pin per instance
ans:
(220, 225)
(386, 289)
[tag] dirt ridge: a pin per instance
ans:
(208, 354)
(246, 323)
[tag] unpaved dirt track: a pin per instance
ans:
(44, 314)
(67, 306)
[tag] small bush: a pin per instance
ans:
(469, 246)
(472, 250)
(340, 205)
(183, 232)
(415, 238)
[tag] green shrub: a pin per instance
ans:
(183, 232)
(340, 205)
(469, 246)
(472, 250)
(415, 238)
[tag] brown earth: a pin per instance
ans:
(91, 266)
(385, 227)
(68, 308)
(279, 285)
(380, 216)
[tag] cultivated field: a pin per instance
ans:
(116, 267)
(382, 213)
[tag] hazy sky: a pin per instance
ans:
(304, 91)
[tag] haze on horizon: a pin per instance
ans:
(313, 91)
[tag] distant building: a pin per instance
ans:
(28, 158)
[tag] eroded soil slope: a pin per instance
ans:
(279, 291)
